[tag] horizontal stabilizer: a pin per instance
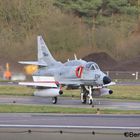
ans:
(33, 63)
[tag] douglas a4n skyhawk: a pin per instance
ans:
(51, 74)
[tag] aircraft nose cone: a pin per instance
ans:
(106, 80)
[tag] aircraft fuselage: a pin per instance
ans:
(87, 73)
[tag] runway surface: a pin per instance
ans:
(71, 102)
(60, 127)
(36, 126)
(70, 120)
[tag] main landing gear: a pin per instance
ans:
(87, 92)
(54, 100)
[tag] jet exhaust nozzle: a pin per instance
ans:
(110, 91)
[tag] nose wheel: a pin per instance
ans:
(90, 101)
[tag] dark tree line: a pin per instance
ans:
(90, 9)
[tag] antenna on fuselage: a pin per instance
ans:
(75, 57)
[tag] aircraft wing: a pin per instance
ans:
(99, 87)
(33, 63)
(110, 84)
(41, 81)
(78, 83)
(70, 82)
(39, 84)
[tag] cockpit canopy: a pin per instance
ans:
(92, 66)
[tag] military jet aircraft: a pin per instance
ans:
(86, 75)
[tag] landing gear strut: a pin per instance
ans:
(87, 92)
(83, 95)
(83, 98)
(90, 96)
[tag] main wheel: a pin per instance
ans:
(54, 100)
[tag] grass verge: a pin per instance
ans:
(119, 92)
(16, 90)
(12, 108)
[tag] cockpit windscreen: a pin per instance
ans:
(92, 66)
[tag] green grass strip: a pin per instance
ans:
(13, 108)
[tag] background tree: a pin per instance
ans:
(99, 13)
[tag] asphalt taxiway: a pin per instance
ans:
(72, 102)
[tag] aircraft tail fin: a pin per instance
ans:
(44, 54)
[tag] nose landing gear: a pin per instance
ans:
(87, 93)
